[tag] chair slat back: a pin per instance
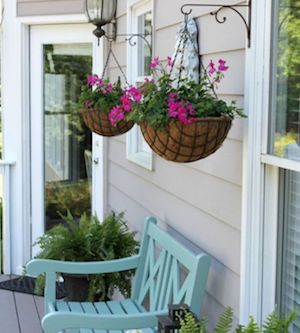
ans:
(168, 273)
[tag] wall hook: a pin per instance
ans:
(216, 14)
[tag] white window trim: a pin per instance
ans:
(260, 182)
(134, 137)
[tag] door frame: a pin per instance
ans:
(57, 34)
(16, 123)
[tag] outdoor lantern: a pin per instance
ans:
(100, 13)
(171, 322)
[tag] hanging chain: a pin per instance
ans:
(112, 54)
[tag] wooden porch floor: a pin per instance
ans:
(20, 313)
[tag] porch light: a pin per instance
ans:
(171, 322)
(100, 13)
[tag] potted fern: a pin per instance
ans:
(90, 240)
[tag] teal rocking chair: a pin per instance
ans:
(165, 273)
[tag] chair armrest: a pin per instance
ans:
(38, 266)
(56, 321)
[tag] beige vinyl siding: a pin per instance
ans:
(49, 7)
(200, 203)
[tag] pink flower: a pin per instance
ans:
(211, 68)
(222, 67)
(173, 96)
(116, 114)
(88, 104)
(92, 79)
(134, 93)
(126, 103)
(170, 62)
(154, 63)
(109, 88)
(183, 111)
(99, 83)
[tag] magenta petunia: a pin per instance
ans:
(116, 114)
(92, 80)
(134, 93)
(109, 88)
(88, 104)
(126, 103)
(222, 67)
(170, 62)
(211, 68)
(154, 63)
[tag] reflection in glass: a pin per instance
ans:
(67, 141)
(286, 123)
(289, 246)
(145, 28)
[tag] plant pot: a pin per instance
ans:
(76, 287)
(187, 143)
(98, 122)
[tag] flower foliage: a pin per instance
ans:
(186, 101)
(109, 98)
(98, 93)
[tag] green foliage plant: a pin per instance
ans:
(167, 98)
(274, 323)
(61, 198)
(101, 94)
(90, 240)
(109, 98)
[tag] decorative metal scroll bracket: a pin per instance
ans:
(130, 38)
(216, 14)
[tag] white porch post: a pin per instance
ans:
(15, 129)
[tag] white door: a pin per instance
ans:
(66, 159)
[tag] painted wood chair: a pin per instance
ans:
(158, 281)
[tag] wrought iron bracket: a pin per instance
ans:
(130, 38)
(216, 13)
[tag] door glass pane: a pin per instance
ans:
(289, 245)
(67, 142)
(144, 45)
(285, 131)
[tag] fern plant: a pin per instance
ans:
(225, 321)
(274, 323)
(90, 240)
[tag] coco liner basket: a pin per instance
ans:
(187, 143)
(97, 121)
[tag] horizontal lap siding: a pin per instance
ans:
(200, 202)
(49, 7)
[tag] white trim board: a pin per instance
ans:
(52, 19)
(256, 102)
(134, 138)
(15, 101)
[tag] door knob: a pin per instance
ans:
(96, 160)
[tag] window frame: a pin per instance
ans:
(135, 140)
(261, 173)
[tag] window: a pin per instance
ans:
(270, 272)
(285, 143)
(285, 131)
(138, 57)
(288, 285)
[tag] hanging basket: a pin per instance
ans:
(187, 143)
(98, 122)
